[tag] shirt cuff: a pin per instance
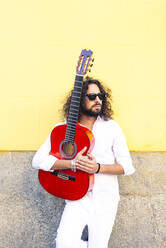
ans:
(127, 166)
(48, 163)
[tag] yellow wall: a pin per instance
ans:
(40, 42)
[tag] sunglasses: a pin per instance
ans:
(93, 96)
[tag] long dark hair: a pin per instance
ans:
(106, 111)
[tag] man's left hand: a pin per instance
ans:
(87, 163)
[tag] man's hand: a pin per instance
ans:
(86, 163)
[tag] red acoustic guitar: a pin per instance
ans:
(66, 141)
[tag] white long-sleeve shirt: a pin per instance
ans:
(110, 147)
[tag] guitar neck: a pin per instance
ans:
(74, 110)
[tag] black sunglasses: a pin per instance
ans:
(93, 96)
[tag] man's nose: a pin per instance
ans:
(97, 99)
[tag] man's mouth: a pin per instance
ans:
(97, 105)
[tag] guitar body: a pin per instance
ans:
(66, 183)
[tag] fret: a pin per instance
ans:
(69, 120)
(78, 81)
(71, 135)
(78, 76)
(76, 86)
(72, 119)
(73, 109)
(75, 101)
(71, 128)
(70, 141)
(75, 97)
(75, 105)
(68, 135)
(73, 114)
(67, 139)
(78, 93)
(77, 89)
(72, 123)
(74, 91)
(70, 138)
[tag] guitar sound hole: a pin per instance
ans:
(68, 149)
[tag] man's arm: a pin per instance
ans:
(114, 169)
(61, 164)
(88, 164)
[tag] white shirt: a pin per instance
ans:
(110, 147)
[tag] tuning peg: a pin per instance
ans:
(91, 65)
(89, 70)
(93, 60)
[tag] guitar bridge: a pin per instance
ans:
(64, 176)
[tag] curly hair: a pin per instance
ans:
(106, 111)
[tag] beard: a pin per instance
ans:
(90, 112)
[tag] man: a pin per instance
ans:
(110, 157)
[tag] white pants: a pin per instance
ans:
(73, 221)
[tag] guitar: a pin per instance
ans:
(66, 141)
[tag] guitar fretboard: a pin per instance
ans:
(74, 110)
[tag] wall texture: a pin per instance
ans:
(29, 216)
(40, 42)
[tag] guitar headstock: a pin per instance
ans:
(84, 62)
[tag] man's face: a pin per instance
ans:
(92, 107)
